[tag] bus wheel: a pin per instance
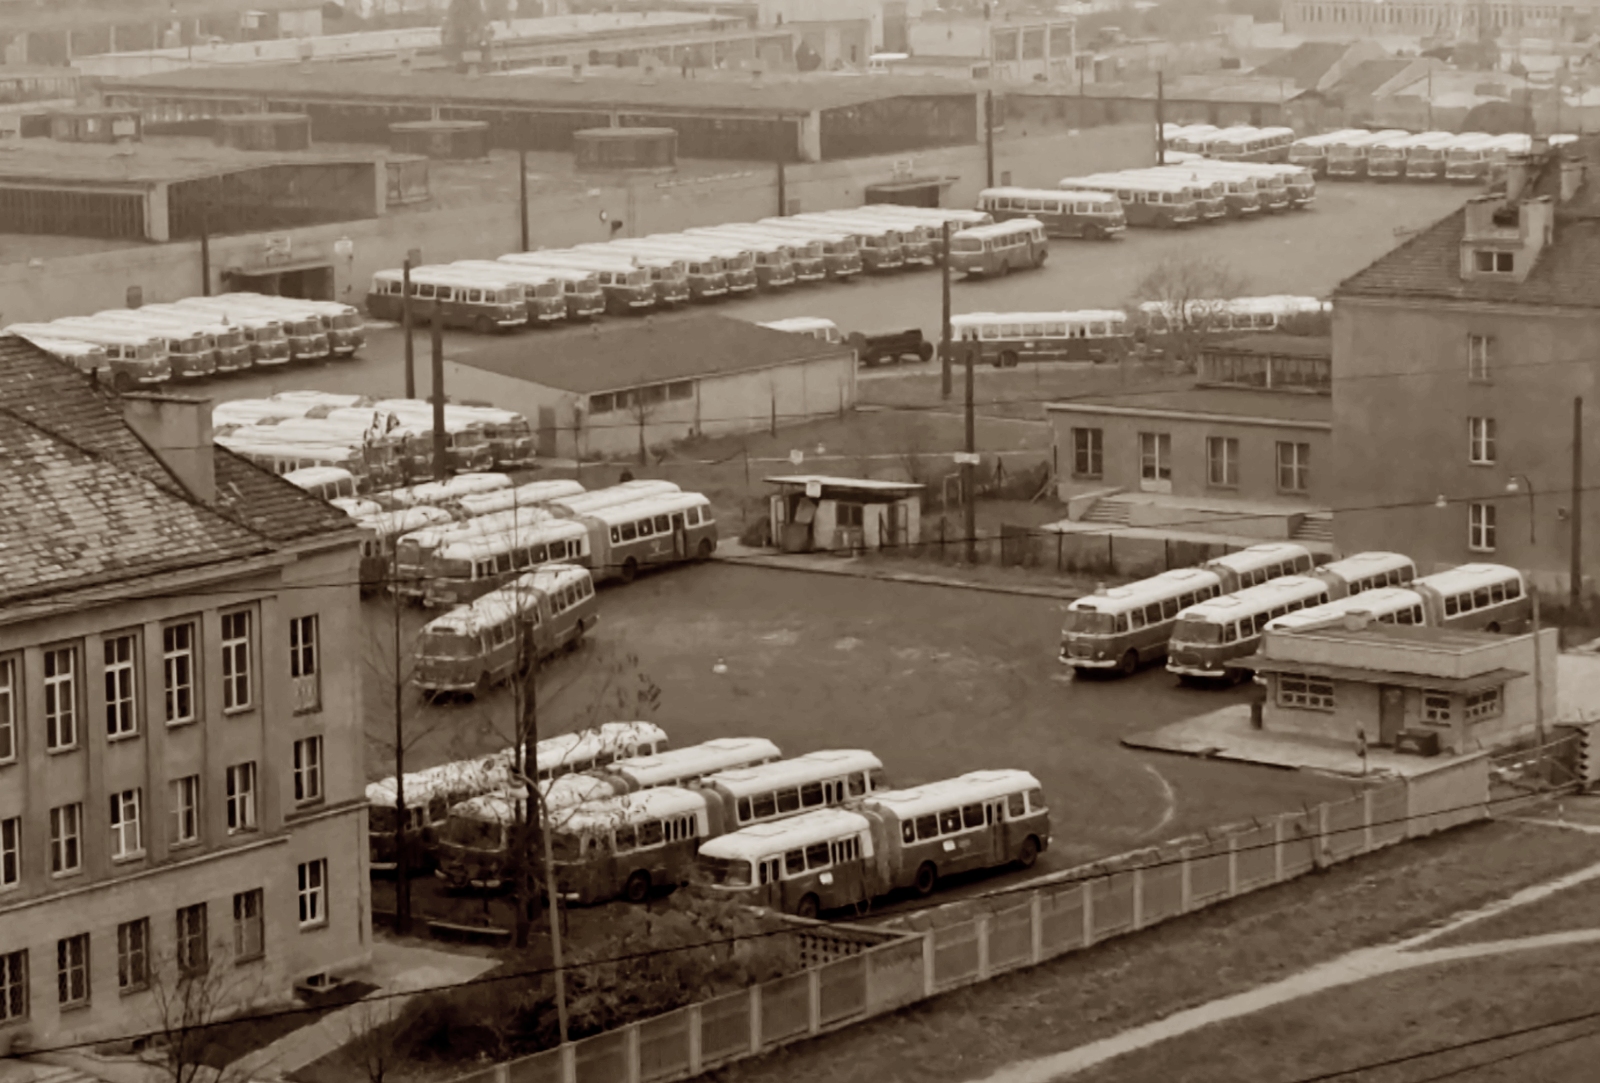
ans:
(483, 325)
(630, 568)
(1129, 663)
(1029, 852)
(637, 889)
(926, 880)
(1008, 359)
(925, 352)
(808, 907)
(1493, 627)
(703, 553)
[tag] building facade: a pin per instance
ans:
(811, 512)
(182, 807)
(1431, 18)
(1462, 357)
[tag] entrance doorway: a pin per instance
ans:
(304, 283)
(1391, 714)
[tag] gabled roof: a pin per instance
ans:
(270, 506)
(1306, 64)
(1365, 78)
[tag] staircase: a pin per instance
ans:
(1110, 512)
(1317, 527)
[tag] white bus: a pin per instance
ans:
(1386, 158)
(1350, 157)
(1096, 215)
(580, 289)
(529, 494)
(627, 288)
(461, 571)
(816, 327)
(458, 298)
(303, 334)
(1280, 186)
(1152, 197)
(190, 352)
(919, 240)
(774, 260)
(414, 550)
(1210, 634)
(326, 482)
(1005, 339)
(257, 337)
(1491, 597)
(771, 791)
(133, 359)
(681, 766)
(341, 323)
(579, 504)
(806, 254)
(670, 528)
(994, 251)
(445, 493)
(1425, 157)
(1467, 158)
(1311, 152)
(386, 528)
(841, 249)
(704, 274)
(878, 245)
(1386, 605)
(543, 294)
(229, 350)
(1367, 571)
(735, 260)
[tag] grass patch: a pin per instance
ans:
(227, 1042)
(1236, 946)
(1576, 907)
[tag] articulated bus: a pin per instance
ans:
(1366, 571)
(542, 294)
(993, 251)
(386, 528)
(1007, 338)
(474, 647)
(1210, 634)
(667, 529)
(682, 766)
(782, 788)
(627, 288)
(1311, 152)
(580, 289)
(831, 859)
(133, 359)
(1386, 605)
(1151, 197)
(704, 274)
(1490, 597)
(1095, 215)
(841, 249)
(342, 324)
(461, 571)
(581, 504)
(1351, 157)
(1124, 627)
(529, 494)
(414, 551)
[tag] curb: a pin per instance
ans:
(1065, 594)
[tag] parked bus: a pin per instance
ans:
(281, 457)
(580, 289)
(358, 507)
(446, 493)
(1244, 184)
(543, 294)
(990, 251)
(133, 359)
(805, 254)
(414, 550)
(1246, 144)
(477, 646)
(841, 250)
(704, 274)
(1298, 182)
(630, 845)
(580, 504)
(1350, 157)
(1366, 571)
(226, 349)
(1386, 605)
(1124, 627)
(938, 217)
(775, 268)
(1005, 339)
(877, 245)
(1188, 138)
(1095, 215)
(1467, 158)
(430, 794)
(86, 357)
(1502, 150)
(460, 299)
(253, 411)
(189, 352)
(1425, 156)
(262, 333)
(528, 495)
(324, 482)
(474, 843)
(815, 326)
(1490, 597)
(382, 453)
(1148, 198)
(467, 448)
(590, 750)
(511, 439)
(919, 241)
(1386, 158)
(1210, 634)
(461, 571)
(665, 282)
(667, 529)
(681, 766)
(378, 552)
(733, 260)
(301, 333)
(782, 788)
(341, 323)
(834, 858)
(1311, 152)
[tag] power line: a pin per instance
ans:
(1469, 1043)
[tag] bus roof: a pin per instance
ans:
(1252, 600)
(1088, 195)
(999, 229)
(1145, 591)
(741, 781)
(526, 495)
(358, 508)
(521, 533)
(404, 520)
(565, 792)
(626, 492)
(1381, 601)
(318, 475)
(802, 324)
(1468, 577)
(973, 786)
(1258, 556)
(718, 754)
(1360, 564)
(972, 319)
(630, 808)
(765, 840)
(481, 771)
(609, 738)
(452, 488)
(658, 504)
(548, 578)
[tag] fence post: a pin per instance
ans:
(502, 1072)
(1036, 928)
(814, 999)
(692, 1018)
(1059, 537)
(1322, 836)
(929, 987)
(1186, 881)
(1088, 913)
(755, 1020)
(980, 928)
(1233, 865)
(1277, 849)
(1366, 821)
(1138, 897)
(630, 1053)
(569, 1063)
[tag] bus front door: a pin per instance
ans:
(680, 537)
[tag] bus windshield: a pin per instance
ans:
(1197, 631)
(449, 645)
(471, 834)
(1087, 620)
(722, 870)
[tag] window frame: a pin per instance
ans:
(308, 769)
(237, 661)
(10, 854)
(1482, 527)
(1307, 692)
(1297, 464)
(53, 685)
(126, 819)
(1088, 452)
(312, 897)
(190, 950)
(248, 919)
(64, 842)
(67, 968)
(1480, 358)
(1481, 441)
(133, 959)
(14, 998)
(178, 673)
(1228, 460)
(1155, 464)
(241, 798)
(9, 752)
(185, 786)
(121, 675)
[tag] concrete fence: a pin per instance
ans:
(1009, 930)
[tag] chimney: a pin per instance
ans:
(177, 430)
(1572, 177)
(1518, 169)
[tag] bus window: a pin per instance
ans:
(626, 837)
(908, 833)
(1135, 619)
(817, 855)
(794, 862)
(927, 827)
(663, 525)
(811, 795)
(1169, 608)
(950, 821)
(1016, 805)
(857, 784)
(650, 834)
(766, 806)
(1036, 801)
(645, 530)
(972, 815)
(1480, 598)
(1152, 613)
(629, 532)
(788, 800)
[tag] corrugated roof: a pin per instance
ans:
(655, 350)
(1305, 64)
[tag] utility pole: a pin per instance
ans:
(441, 463)
(1575, 588)
(522, 193)
(405, 323)
(402, 870)
(205, 249)
(1161, 118)
(969, 469)
(988, 136)
(536, 817)
(945, 360)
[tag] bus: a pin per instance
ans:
(466, 442)
(920, 241)
(324, 482)
(627, 846)
(627, 288)
(1210, 634)
(580, 289)
(283, 456)
(878, 245)
(529, 494)
(1425, 157)
(86, 357)
(736, 263)
(1386, 605)
(473, 845)
(1349, 158)
(447, 493)
(830, 859)
(1386, 158)
(459, 298)
(1467, 158)
(1366, 571)
(706, 279)
(414, 550)
(841, 251)
(1246, 144)
(579, 504)
(1267, 184)
(1005, 339)
(511, 439)
(358, 507)
(589, 750)
(429, 794)
(189, 352)
(681, 766)
(670, 528)
(1122, 628)
(386, 528)
(1148, 197)
(382, 453)
(542, 294)
(1503, 149)
(775, 268)
(261, 335)
(461, 571)
(226, 347)
(1311, 152)
(817, 327)
(1094, 215)
(985, 251)
(773, 791)
(1490, 597)
(1188, 138)
(133, 359)
(805, 254)
(341, 323)
(303, 336)
(474, 647)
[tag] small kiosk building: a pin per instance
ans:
(810, 512)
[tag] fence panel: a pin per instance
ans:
(1299, 843)
(955, 953)
(844, 989)
(1208, 873)
(603, 1058)
(1257, 860)
(894, 976)
(1011, 938)
(785, 1007)
(1112, 898)
(1161, 895)
(1389, 814)
(1347, 832)
(724, 1028)
(1452, 793)
(1061, 911)
(664, 1046)
(540, 1068)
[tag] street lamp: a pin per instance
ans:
(1519, 483)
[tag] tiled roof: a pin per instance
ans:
(1306, 64)
(269, 505)
(1566, 274)
(1367, 77)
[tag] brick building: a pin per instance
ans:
(180, 752)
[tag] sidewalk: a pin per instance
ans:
(984, 578)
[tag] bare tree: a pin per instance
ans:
(373, 1049)
(191, 1000)
(1188, 289)
(642, 403)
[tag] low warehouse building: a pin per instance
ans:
(613, 391)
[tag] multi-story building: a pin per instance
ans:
(1346, 19)
(180, 717)
(1458, 358)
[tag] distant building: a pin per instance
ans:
(831, 514)
(1460, 355)
(181, 777)
(1437, 18)
(613, 391)
(62, 30)
(1020, 49)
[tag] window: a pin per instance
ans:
(235, 660)
(1436, 707)
(1088, 455)
(1294, 467)
(313, 880)
(1016, 805)
(65, 854)
(1299, 690)
(601, 404)
(1222, 461)
(10, 857)
(13, 986)
(133, 955)
(177, 671)
(1485, 704)
(8, 712)
(185, 803)
(850, 515)
(248, 931)
(303, 662)
(242, 797)
(60, 699)
(192, 939)
(818, 855)
(126, 839)
(794, 862)
(72, 971)
(1480, 440)
(121, 716)
(1478, 348)
(1480, 528)
(1155, 456)
(1488, 261)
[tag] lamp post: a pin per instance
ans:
(1519, 483)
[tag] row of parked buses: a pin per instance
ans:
(1203, 619)
(818, 832)
(1240, 143)
(1394, 153)
(199, 337)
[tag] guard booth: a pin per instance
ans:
(813, 513)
